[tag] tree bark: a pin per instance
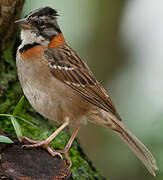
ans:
(21, 163)
(12, 156)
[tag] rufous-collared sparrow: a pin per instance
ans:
(60, 86)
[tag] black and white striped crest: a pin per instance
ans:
(45, 11)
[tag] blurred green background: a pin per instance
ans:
(122, 43)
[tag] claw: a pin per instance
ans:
(31, 141)
(54, 152)
(50, 138)
(65, 152)
(41, 144)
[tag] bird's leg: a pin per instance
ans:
(68, 146)
(46, 143)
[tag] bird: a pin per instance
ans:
(60, 86)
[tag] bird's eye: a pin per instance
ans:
(40, 22)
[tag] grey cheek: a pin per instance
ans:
(50, 32)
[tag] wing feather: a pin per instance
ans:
(68, 67)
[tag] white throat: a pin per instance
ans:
(29, 37)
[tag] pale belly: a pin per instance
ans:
(51, 97)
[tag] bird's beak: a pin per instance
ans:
(23, 23)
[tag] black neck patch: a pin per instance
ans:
(28, 46)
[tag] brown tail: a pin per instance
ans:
(136, 146)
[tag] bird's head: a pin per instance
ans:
(39, 26)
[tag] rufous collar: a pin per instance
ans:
(57, 41)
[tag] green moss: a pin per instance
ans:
(81, 168)
(7, 54)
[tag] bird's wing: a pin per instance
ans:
(68, 67)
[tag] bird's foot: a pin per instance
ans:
(65, 153)
(41, 144)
